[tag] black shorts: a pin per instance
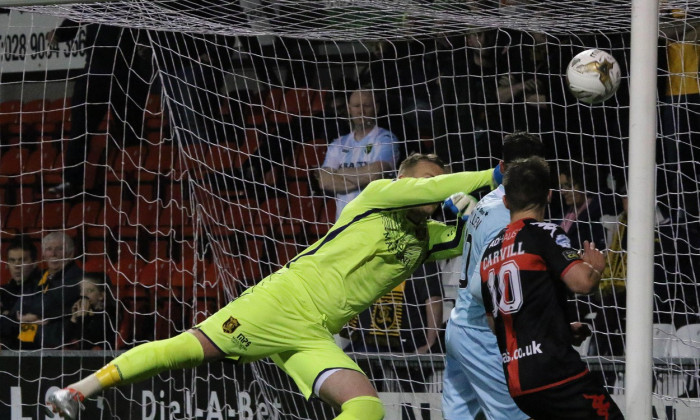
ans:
(582, 399)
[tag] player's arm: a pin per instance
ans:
(433, 318)
(489, 304)
(411, 192)
(445, 241)
(583, 278)
(491, 322)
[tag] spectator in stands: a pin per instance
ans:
(22, 263)
(472, 95)
(93, 322)
(680, 121)
(582, 210)
(44, 304)
(675, 296)
(192, 71)
(354, 160)
(115, 78)
(406, 320)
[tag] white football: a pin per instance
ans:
(593, 76)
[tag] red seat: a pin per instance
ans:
(125, 162)
(112, 214)
(53, 215)
(273, 100)
(154, 273)
(326, 219)
(53, 174)
(12, 163)
(83, 213)
(57, 111)
(138, 320)
(96, 264)
(286, 251)
(22, 218)
(144, 214)
(40, 159)
(308, 156)
(272, 213)
(9, 113)
(251, 267)
(296, 103)
(159, 161)
(32, 112)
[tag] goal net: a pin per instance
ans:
(178, 145)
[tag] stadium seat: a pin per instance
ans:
(124, 163)
(307, 156)
(296, 103)
(273, 100)
(663, 335)
(53, 215)
(209, 294)
(38, 160)
(30, 119)
(286, 251)
(326, 219)
(272, 213)
(112, 214)
(153, 273)
(9, 114)
(251, 263)
(83, 213)
(175, 300)
(53, 174)
(221, 158)
(23, 218)
(25, 194)
(686, 343)
(143, 214)
(96, 264)
(137, 321)
(11, 163)
(159, 161)
(95, 247)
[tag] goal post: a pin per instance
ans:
(642, 202)
(199, 132)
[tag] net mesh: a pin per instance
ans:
(193, 135)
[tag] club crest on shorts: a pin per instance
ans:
(230, 325)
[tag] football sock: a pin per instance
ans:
(362, 408)
(149, 359)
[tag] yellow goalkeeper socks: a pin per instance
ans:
(362, 408)
(147, 360)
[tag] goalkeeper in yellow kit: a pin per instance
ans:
(381, 237)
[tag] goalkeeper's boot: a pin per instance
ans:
(66, 403)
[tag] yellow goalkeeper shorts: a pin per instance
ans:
(265, 321)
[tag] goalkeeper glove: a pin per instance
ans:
(460, 204)
(497, 176)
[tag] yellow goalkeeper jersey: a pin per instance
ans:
(373, 246)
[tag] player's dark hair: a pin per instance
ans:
(521, 145)
(526, 183)
(25, 244)
(413, 159)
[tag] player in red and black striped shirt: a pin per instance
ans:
(526, 272)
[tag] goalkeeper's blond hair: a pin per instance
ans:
(412, 160)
